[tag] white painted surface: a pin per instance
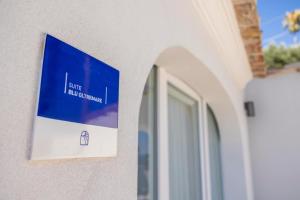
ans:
(274, 136)
(129, 35)
(163, 136)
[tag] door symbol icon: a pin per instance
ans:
(84, 138)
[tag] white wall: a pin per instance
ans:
(129, 35)
(274, 136)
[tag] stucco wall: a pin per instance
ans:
(274, 136)
(129, 35)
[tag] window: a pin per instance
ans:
(184, 147)
(179, 143)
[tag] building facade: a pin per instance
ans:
(196, 45)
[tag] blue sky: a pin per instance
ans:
(272, 13)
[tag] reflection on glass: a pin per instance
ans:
(147, 143)
(215, 156)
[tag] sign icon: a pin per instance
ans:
(84, 138)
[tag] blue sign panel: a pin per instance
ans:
(76, 87)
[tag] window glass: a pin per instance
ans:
(215, 156)
(147, 142)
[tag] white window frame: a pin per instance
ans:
(164, 78)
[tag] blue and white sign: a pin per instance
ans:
(77, 112)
